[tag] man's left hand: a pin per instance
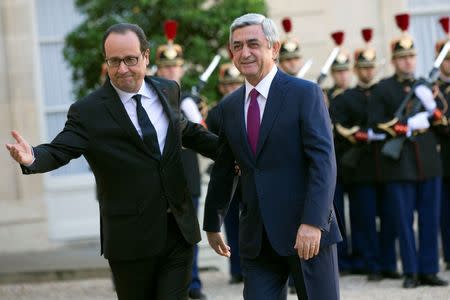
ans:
(308, 241)
(216, 242)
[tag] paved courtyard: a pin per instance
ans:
(352, 288)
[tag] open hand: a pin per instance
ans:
(20, 151)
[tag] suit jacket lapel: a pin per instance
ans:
(120, 115)
(274, 102)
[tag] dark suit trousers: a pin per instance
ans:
(165, 276)
(266, 275)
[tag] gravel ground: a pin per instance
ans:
(352, 288)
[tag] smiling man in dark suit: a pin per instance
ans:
(277, 128)
(131, 131)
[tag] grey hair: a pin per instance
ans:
(268, 26)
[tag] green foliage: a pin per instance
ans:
(202, 31)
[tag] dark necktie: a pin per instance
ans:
(148, 131)
(253, 117)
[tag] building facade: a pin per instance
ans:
(43, 211)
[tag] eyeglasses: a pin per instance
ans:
(129, 61)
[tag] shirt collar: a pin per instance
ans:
(125, 96)
(263, 86)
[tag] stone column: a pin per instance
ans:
(19, 93)
(23, 221)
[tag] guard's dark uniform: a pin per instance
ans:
(413, 182)
(443, 102)
(359, 160)
(361, 174)
(341, 63)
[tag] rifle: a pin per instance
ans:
(204, 77)
(394, 146)
(327, 65)
(196, 89)
(305, 68)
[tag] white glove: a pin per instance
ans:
(372, 136)
(426, 97)
(417, 122)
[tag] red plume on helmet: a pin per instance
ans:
(367, 34)
(445, 24)
(338, 37)
(287, 24)
(170, 29)
(402, 21)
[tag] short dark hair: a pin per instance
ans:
(124, 28)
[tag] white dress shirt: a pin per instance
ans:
(263, 88)
(153, 108)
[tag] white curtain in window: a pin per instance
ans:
(426, 31)
(55, 19)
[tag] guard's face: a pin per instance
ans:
(445, 67)
(366, 75)
(405, 65)
(128, 78)
(174, 72)
(291, 65)
(251, 53)
(341, 78)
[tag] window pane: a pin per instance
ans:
(55, 19)
(426, 30)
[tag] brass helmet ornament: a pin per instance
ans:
(170, 54)
(404, 45)
(445, 24)
(342, 60)
(365, 57)
(290, 47)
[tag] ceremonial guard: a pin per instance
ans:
(170, 62)
(229, 80)
(404, 109)
(340, 72)
(361, 172)
(290, 59)
(443, 101)
(340, 69)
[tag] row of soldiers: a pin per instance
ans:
(392, 143)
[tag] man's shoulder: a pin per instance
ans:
(159, 81)
(232, 97)
(93, 98)
(295, 82)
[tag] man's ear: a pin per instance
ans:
(230, 53)
(147, 56)
(276, 49)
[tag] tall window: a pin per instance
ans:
(426, 30)
(55, 19)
